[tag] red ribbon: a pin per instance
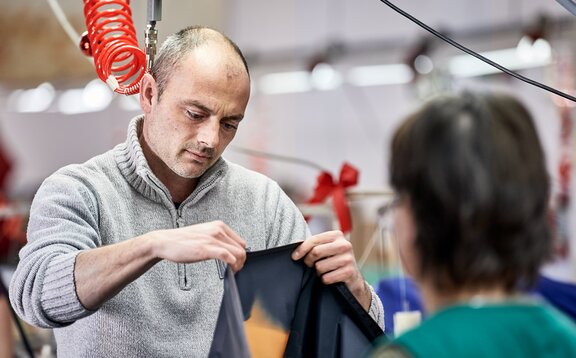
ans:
(326, 186)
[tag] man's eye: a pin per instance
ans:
(230, 126)
(193, 115)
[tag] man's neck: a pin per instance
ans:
(179, 188)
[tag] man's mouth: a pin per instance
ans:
(199, 156)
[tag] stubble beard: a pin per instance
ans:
(192, 169)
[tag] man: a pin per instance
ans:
(120, 248)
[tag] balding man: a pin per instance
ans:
(121, 249)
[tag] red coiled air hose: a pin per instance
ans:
(113, 44)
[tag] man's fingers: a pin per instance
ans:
(322, 251)
(233, 235)
(333, 263)
(223, 231)
(231, 256)
(320, 239)
(234, 257)
(237, 266)
(193, 244)
(332, 257)
(344, 274)
(238, 252)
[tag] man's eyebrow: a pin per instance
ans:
(198, 105)
(235, 117)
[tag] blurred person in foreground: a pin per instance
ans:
(121, 250)
(470, 219)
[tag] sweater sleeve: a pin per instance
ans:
(63, 222)
(376, 310)
(286, 225)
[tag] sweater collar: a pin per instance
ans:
(134, 167)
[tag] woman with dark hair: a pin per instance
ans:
(470, 219)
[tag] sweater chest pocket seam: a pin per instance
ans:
(184, 276)
(184, 279)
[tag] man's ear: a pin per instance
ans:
(148, 93)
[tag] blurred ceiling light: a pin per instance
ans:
(418, 56)
(529, 50)
(32, 100)
(285, 82)
(423, 64)
(96, 96)
(380, 75)
(468, 66)
(324, 77)
(533, 45)
(70, 102)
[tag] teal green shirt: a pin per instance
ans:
(503, 330)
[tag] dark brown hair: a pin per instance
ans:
(474, 171)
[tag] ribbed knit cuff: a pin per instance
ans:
(376, 310)
(59, 299)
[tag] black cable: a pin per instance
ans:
(478, 56)
(23, 336)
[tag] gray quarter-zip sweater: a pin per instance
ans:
(169, 311)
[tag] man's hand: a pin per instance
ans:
(212, 240)
(332, 257)
(103, 272)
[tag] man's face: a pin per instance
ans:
(198, 113)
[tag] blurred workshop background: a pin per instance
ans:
(331, 80)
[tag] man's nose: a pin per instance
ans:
(209, 132)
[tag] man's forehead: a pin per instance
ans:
(218, 49)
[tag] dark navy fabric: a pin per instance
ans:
(320, 320)
(561, 295)
(230, 326)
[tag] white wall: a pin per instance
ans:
(266, 25)
(41, 143)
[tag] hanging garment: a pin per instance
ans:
(398, 294)
(289, 312)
